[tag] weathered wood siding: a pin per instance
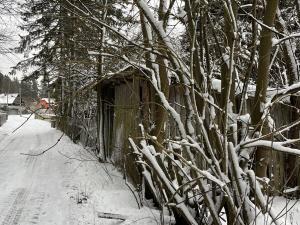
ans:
(129, 102)
(125, 125)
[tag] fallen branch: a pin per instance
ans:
(111, 216)
(22, 123)
(32, 112)
(277, 146)
(46, 150)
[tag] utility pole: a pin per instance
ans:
(20, 93)
(8, 90)
(49, 97)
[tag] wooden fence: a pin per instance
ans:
(126, 113)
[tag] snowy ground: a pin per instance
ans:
(287, 211)
(67, 186)
(64, 186)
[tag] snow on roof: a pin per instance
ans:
(8, 98)
(124, 70)
(52, 100)
(216, 85)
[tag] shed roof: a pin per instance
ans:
(126, 73)
(130, 72)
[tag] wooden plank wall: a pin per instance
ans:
(126, 121)
(284, 169)
(129, 111)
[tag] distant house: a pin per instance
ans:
(12, 103)
(9, 99)
(44, 103)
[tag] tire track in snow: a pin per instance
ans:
(34, 209)
(16, 208)
(3, 136)
(31, 161)
(4, 149)
(3, 152)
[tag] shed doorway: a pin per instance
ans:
(108, 99)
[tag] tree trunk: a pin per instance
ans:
(101, 149)
(265, 49)
(228, 75)
(297, 3)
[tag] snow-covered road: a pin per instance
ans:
(66, 185)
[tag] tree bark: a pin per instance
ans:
(265, 49)
(100, 63)
(160, 114)
(297, 3)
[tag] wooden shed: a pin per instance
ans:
(122, 108)
(127, 100)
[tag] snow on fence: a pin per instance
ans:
(88, 132)
(81, 130)
(47, 117)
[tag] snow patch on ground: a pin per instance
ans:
(287, 212)
(66, 185)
